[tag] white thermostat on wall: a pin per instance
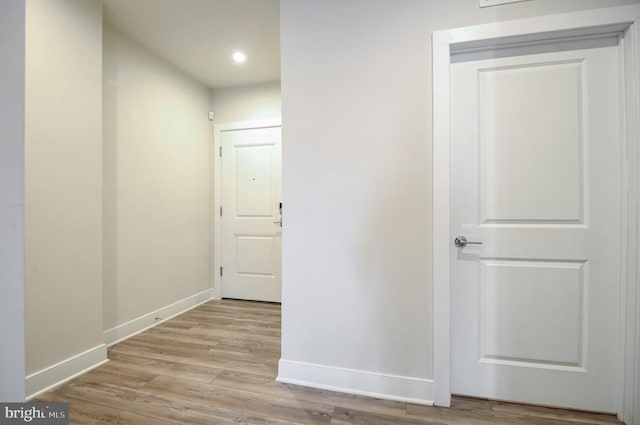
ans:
(487, 3)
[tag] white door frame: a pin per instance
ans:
(623, 21)
(216, 220)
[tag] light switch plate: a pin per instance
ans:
(487, 3)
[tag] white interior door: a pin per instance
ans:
(535, 177)
(251, 218)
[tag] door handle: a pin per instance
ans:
(461, 242)
(280, 210)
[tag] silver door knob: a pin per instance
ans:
(461, 241)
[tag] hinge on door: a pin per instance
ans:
(220, 271)
(220, 210)
(220, 151)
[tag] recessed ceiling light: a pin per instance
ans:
(239, 57)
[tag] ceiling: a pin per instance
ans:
(199, 36)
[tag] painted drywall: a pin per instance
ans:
(247, 103)
(356, 110)
(157, 182)
(636, 407)
(12, 97)
(63, 252)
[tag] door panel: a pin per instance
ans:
(255, 255)
(525, 303)
(255, 185)
(541, 176)
(535, 150)
(251, 194)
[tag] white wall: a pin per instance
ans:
(63, 186)
(636, 407)
(356, 99)
(157, 183)
(247, 103)
(12, 92)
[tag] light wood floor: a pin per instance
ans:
(216, 364)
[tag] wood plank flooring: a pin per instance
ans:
(217, 364)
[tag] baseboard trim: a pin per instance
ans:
(59, 373)
(142, 323)
(357, 382)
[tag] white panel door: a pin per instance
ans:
(251, 229)
(536, 178)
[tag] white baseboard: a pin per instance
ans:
(358, 382)
(142, 323)
(59, 373)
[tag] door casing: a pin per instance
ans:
(216, 221)
(622, 21)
